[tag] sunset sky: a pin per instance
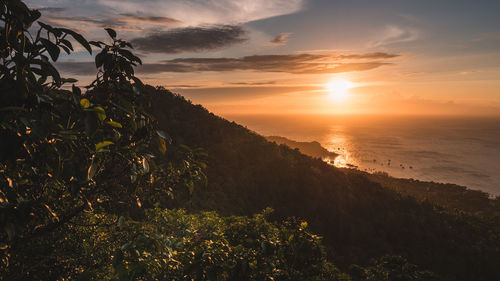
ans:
(304, 56)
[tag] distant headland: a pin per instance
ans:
(313, 148)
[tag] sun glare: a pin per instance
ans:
(339, 89)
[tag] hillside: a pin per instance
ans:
(312, 148)
(449, 196)
(359, 219)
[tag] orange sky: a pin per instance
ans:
(277, 56)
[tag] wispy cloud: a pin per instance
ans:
(260, 83)
(191, 39)
(393, 34)
(292, 63)
(56, 17)
(280, 39)
(208, 11)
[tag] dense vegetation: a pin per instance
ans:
(359, 219)
(91, 179)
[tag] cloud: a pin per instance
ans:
(292, 63)
(395, 34)
(377, 55)
(119, 22)
(52, 9)
(191, 39)
(208, 11)
(143, 19)
(253, 83)
(280, 39)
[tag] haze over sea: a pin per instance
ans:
(459, 150)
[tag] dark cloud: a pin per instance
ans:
(142, 19)
(191, 39)
(52, 9)
(119, 22)
(294, 63)
(280, 39)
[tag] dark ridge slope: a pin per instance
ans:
(312, 148)
(358, 218)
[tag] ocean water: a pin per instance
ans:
(460, 150)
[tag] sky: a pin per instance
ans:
(303, 56)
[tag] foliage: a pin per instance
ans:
(65, 151)
(395, 268)
(359, 219)
(172, 245)
(86, 174)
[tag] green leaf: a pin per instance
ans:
(84, 103)
(103, 144)
(115, 124)
(53, 50)
(111, 32)
(101, 114)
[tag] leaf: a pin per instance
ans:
(164, 136)
(101, 114)
(98, 44)
(67, 44)
(92, 170)
(69, 80)
(78, 38)
(103, 144)
(99, 59)
(115, 124)
(53, 50)
(129, 55)
(84, 103)
(46, 26)
(111, 32)
(161, 145)
(145, 165)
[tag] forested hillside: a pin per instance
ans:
(358, 218)
(94, 181)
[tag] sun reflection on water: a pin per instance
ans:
(338, 143)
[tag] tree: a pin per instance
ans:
(65, 151)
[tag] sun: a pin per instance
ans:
(339, 89)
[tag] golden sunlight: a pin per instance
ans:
(339, 89)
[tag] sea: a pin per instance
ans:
(447, 149)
